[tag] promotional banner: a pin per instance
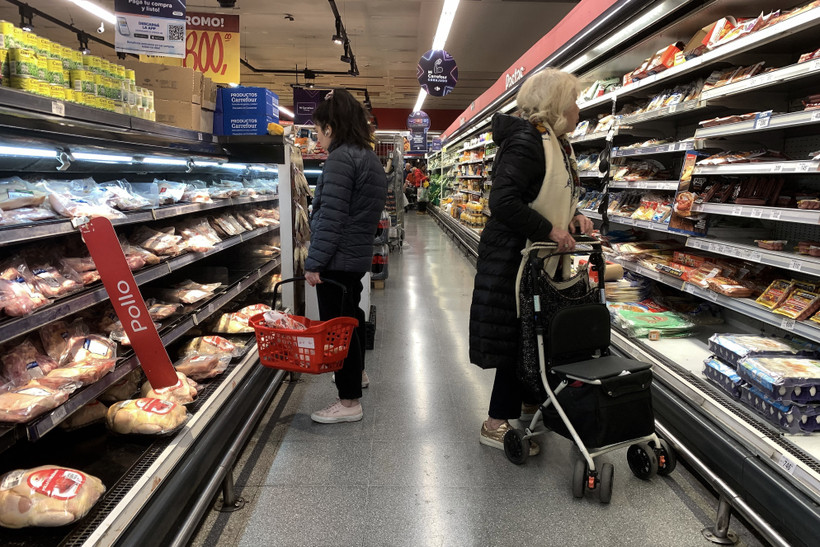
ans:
(153, 27)
(212, 46)
(104, 247)
(304, 103)
(435, 146)
(418, 123)
(437, 72)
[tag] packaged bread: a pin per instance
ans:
(799, 305)
(183, 392)
(208, 345)
(47, 496)
(201, 367)
(777, 293)
(88, 414)
(145, 416)
(21, 404)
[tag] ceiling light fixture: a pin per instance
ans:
(445, 21)
(95, 9)
(338, 37)
(285, 111)
(25, 18)
(83, 39)
(345, 58)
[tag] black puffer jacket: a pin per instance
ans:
(348, 201)
(517, 177)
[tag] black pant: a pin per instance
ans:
(331, 303)
(507, 395)
(423, 206)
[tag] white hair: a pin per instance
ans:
(545, 97)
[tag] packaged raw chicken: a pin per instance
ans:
(79, 264)
(24, 403)
(276, 319)
(79, 198)
(118, 333)
(159, 310)
(203, 366)
(145, 416)
(92, 346)
(238, 322)
(16, 193)
(147, 257)
(47, 496)
(170, 192)
(189, 292)
(183, 392)
(124, 388)
(149, 191)
(50, 281)
(25, 215)
(162, 243)
(121, 196)
(81, 373)
(88, 414)
(208, 345)
(56, 334)
(198, 235)
(24, 362)
(196, 192)
(17, 296)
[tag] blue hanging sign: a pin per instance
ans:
(437, 72)
(305, 102)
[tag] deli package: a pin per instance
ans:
(201, 367)
(734, 347)
(794, 379)
(47, 496)
(145, 416)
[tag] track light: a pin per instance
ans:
(337, 38)
(83, 39)
(346, 56)
(354, 68)
(25, 18)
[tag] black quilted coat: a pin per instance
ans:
(347, 204)
(517, 176)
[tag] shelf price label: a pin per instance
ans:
(688, 287)
(775, 215)
(757, 213)
(787, 324)
(762, 119)
(777, 168)
(673, 109)
(795, 265)
(815, 117)
(58, 108)
(737, 211)
(711, 295)
(803, 167)
(787, 464)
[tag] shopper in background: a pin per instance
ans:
(347, 204)
(534, 198)
(410, 188)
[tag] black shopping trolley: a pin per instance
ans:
(599, 401)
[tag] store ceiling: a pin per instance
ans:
(387, 37)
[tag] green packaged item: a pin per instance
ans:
(648, 324)
(22, 62)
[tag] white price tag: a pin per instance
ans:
(199, 136)
(737, 211)
(711, 295)
(688, 287)
(775, 215)
(58, 414)
(757, 213)
(787, 324)
(815, 65)
(803, 167)
(815, 117)
(787, 464)
(713, 247)
(795, 265)
(673, 109)
(58, 108)
(754, 256)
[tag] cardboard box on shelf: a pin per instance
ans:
(245, 102)
(209, 88)
(169, 83)
(182, 114)
(248, 125)
(206, 121)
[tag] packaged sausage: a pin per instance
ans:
(799, 305)
(728, 287)
(771, 244)
(777, 293)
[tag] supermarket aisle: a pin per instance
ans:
(412, 471)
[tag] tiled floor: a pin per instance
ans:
(412, 471)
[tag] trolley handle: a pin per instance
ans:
(302, 278)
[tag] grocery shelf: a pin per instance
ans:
(802, 216)
(489, 157)
(781, 259)
(626, 221)
(590, 174)
(51, 228)
(779, 76)
(65, 307)
(471, 192)
(38, 427)
(591, 137)
(799, 23)
(659, 113)
(471, 162)
(776, 121)
(469, 176)
(666, 148)
(760, 168)
(646, 184)
(474, 146)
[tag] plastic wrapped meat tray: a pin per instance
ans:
(790, 417)
(731, 348)
(723, 375)
(795, 379)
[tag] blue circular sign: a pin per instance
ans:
(437, 72)
(418, 120)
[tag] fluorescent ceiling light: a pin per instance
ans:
(165, 161)
(448, 13)
(112, 158)
(95, 9)
(285, 111)
(420, 100)
(313, 171)
(27, 152)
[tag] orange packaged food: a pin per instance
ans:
(800, 305)
(777, 293)
(728, 287)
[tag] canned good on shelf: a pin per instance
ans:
(6, 35)
(55, 71)
(131, 75)
(150, 96)
(44, 88)
(57, 92)
(22, 62)
(69, 95)
(26, 83)
(83, 81)
(4, 65)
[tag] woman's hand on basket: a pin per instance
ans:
(581, 224)
(563, 239)
(312, 278)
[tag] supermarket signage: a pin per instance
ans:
(512, 78)
(435, 146)
(101, 240)
(437, 72)
(418, 122)
(151, 27)
(305, 102)
(212, 46)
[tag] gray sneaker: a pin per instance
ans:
(338, 413)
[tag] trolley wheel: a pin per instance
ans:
(516, 447)
(605, 486)
(642, 461)
(579, 478)
(667, 460)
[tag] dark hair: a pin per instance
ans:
(346, 118)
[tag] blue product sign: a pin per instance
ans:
(418, 140)
(418, 120)
(305, 102)
(435, 146)
(151, 27)
(437, 72)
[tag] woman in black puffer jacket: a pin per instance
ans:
(347, 204)
(530, 147)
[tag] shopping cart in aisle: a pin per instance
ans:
(600, 401)
(321, 347)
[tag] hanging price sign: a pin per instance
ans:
(212, 46)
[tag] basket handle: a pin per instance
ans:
(302, 278)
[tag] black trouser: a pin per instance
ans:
(423, 206)
(412, 195)
(507, 395)
(331, 302)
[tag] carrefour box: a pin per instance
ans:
(245, 102)
(242, 125)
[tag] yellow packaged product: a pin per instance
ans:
(99, 83)
(6, 35)
(45, 47)
(22, 62)
(83, 81)
(4, 66)
(131, 75)
(42, 68)
(777, 293)
(69, 95)
(25, 83)
(120, 72)
(76, 58)
(57, 92)
(43, 88)
(55, 71)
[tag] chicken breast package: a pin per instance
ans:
(183, 392)
(123, 389)
(82, 373)
(24, 363)
(21, 404)
(47, 496)
(145, 416)
(17, 296)
(92, 346)
(238, 321)
(161, 243)
(88, 414)
(159, 310)
(16, 193)
(74, 199)
(209, 345)
(202, 367)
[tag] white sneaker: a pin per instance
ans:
(338, 413)
(365, 379)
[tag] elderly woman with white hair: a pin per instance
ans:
(534, 197)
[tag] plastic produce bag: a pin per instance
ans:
(47, 496)
(146, 416)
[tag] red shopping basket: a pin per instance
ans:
(321, 347)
